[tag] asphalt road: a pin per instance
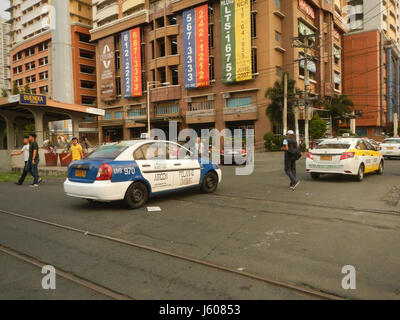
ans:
(252, 223)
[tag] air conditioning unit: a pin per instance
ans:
(226, 95)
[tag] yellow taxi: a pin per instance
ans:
(348, 156)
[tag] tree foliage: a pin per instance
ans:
(317, 127)
(27, 89)
(15, 89)
(340, 107)
(276, 96)
(4, 93)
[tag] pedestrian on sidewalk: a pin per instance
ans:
(25, 152)
(33, 160)
(292, 154)
(75, 151)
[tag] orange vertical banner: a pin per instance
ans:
(202, 50)
(136, 63)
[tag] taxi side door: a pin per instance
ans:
(155, 167)
(375, 156)
(187, 169)
(365, 155)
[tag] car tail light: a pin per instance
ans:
(222, 151)
(105, 172)
(347, 155)
(310, 156)
(244, 151)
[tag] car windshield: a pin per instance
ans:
(391, 141)
(109, 152)
(333, 145)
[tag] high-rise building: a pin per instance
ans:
(372, 64)
(4, 56)
(51, 50)
(209, 63)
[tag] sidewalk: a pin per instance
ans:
(45, 171)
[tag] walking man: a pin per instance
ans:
(33, 160)
(75, 150)
(25, 152)
(291, 156)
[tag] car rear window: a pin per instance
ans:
(108, 152)
(391, 141)
(333, 146)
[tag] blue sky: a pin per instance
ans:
(4, 4)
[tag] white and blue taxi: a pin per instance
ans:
(135, 170)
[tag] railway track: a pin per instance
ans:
(311, 292)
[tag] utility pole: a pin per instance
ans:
(285, 102)
(395, 124)
(297, 43)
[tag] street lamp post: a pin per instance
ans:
(149, 83)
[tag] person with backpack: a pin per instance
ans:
(292, 154)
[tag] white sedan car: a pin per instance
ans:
(136, 170)
(348, 156)
(390, 147)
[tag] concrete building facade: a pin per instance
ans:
(372, 65)
(233, 105)
(5, 56)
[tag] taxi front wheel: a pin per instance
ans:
(210, 182)
(136, 195)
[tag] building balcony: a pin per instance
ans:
(201, 112)
(240, 113)
(106, 12)
(165, 93)
(34, 14)
(136, 114)
(34, 27)
(129, 4)
(167, 111)
(27, 4)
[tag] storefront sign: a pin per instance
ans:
(106, 58)
(307, 9)
(33, 99)
(195, 46)
(131, 63)
(236, 40)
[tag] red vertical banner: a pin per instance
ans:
(202, 51)
(136, 63)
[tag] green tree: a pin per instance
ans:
(4, 93)
(276, 94)
(317, 127)
(27, 89)
(340, 107)
(15, 89)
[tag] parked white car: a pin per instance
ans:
(390, 147)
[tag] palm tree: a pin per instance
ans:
(276, 94)
(340, 107)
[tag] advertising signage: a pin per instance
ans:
(236, 40)
(33, 99)
(131, 63)
(107, 69)
(195, 46)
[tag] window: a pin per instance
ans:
(160, 22)
(174, 75)
(211, 36)
(239, 102)
(278, 36)
(161, 47)
(44, 75)
(43, 61)
(279, 71)
(117, 60)
(150, 151)
(171, 19)
(86, 54)
(211, 67)
(87, 69)
(361, 145)
(161, 74)
(84, 38)
(88, 100)
(107, 116)
(174, 45)
(85, 84)
(277, 3)
(253, 24)
(118, 115)
(254, 60)
(118, 87)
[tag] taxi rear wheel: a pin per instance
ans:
(210, 182)
(381, 167)
(136, 195)
(315, 175)
(360, 174)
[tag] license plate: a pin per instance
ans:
(389, 148)
(325, 158)
(80, 173)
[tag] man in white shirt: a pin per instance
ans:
(25, 152)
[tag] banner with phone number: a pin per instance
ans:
(131, 63)
(236, 40)
(195, 46)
